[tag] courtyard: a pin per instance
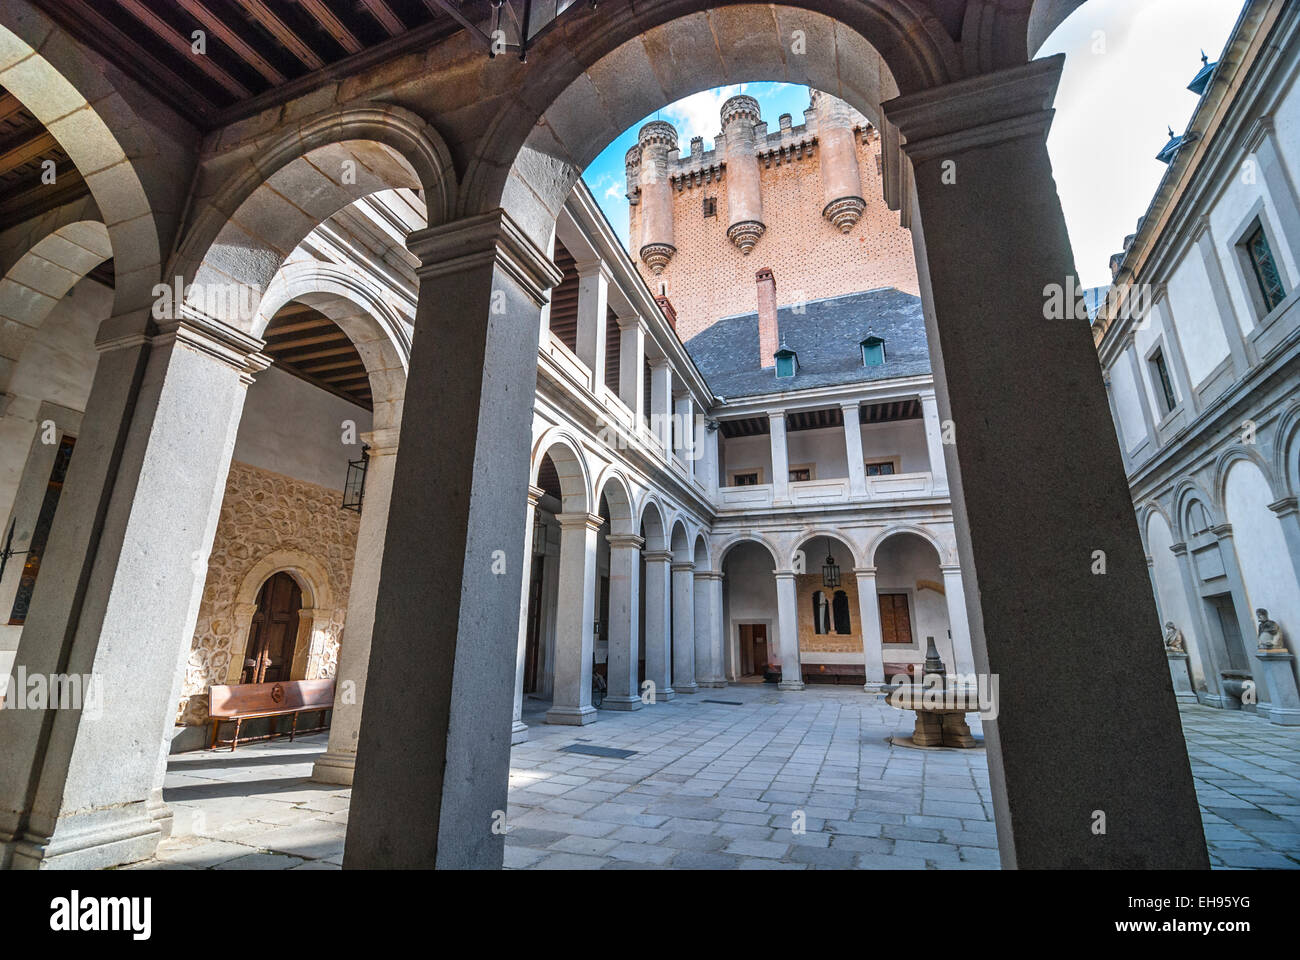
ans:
(744, 777)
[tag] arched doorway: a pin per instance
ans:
(273, 634)
(749, 613)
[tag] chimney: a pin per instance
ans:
(670, 314)
(767, 334)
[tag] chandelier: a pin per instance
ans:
(830, 569)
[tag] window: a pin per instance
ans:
(802, 471)
(786, 364)
(873, 352)
(710, 206)
(821, 610)
(840, 612)
(749, 479)
(1165, 387)
(884, 468)
(1260, 255)
(895, 618)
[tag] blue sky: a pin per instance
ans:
(1128, 63)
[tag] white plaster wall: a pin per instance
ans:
(904, 439)
(1261, 550)
(1197, 318)
(1226, 218)
(1127, 404)
(746, 453)
(1286, 122)
(901, 561)
(292, 428)
(824, 448)
(1170, 595)
(749, 596)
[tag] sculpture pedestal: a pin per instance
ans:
(936, 728)
(1184, 692)
(1279, 680)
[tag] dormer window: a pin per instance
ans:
(873, 352)
(787, 362)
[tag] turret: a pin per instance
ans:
(841, 181)
(658, 144)
(744, 197)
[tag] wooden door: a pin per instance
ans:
(271, 640)
(895, 618)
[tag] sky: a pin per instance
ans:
(1128, 63)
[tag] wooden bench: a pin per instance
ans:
(893, 670)
(244, 701)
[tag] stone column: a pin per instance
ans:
(1274, 177)
(1288, 515)
(119, 591)
(1206, 647)
(1245, 613)
(873, 650)
(708, 618)
(593, 319)
(431, 773)
(338, 762)
(658, 617)
(709, 462)
(744, 185)
(787, 626)
(1140, 385)
(780, 458)
(958, 623)
(978, 150)
(661, 404)
(631, 367)
(519, 729)
(934, 444)
(575, 620)
(841, 180)
(684, 627)
(624, 610)
(853, 446)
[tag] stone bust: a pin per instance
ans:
(1173, 638)
(1270, 634)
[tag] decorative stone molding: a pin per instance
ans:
(492, 238)
(845, 212)
(745, 234)
(656, 256)
(737, 107)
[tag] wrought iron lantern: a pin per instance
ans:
(539, 536)
(830, 569)
(354, 488)
(8, 552)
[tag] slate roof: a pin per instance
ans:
(826, 337)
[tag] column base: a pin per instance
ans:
(876, 687)
(686, 688)
(92, 841)
(571, 716)
(518, 732)
(622, 703)
(790, 685)
(161, 813)
(334, 768)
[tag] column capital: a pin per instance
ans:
(382, 442)
(658, 556)
(708, 575)
(535, 495)
(570, 521)
(776, 414)
(625, 541)
(1223, 531)
(489, 238)
(218, 339)
(950, 569)
(594, 267)
(853, 406)
(783, 574)
(979, 111)
(1284, 507)
(1178, 549)
(683, 566)
(864, 573)
(631, 322)
(658, 363)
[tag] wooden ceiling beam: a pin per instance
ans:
(9, 105)
(333, 25)
(318, 354)
(317, 368)
(275, 329)
(293, 343)
(387, 19)
(27, 151)
(184, 46)
(263, 14)
(233, 40)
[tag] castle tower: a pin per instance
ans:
(658, 145)
(841, 182)
(744, 190)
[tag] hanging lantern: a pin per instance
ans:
(830, 569)
(354, 488)
(539, 536)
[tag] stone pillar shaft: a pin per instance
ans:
(853, 449)
(631, 367)
(658, 620)
(788, 631)
(624, 628)
(593, 319)
(780, 458)
(684, 627)
(708, 669)
(575, 620)
(958, 623)
(1027, 560)
(873, 651)
(519, 729)
(934, 443)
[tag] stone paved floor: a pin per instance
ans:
(718, 785)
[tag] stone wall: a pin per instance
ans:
(270, 522)
(810, 641)
(709, 278)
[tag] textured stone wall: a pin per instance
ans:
(709, 278)
(265, 513)
(810, 641)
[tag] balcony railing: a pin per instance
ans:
(812, 493)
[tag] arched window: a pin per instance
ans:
(840, 609)
(1198, 519)
(821, 613)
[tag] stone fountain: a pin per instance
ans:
(940, 710)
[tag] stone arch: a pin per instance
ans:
(680, 542)
(1044, 17)
(1286, 451)
(701, 554)
(104, 138)
(945, 558)
(651, 517)
(1223, 465)
(245, 230)
(721, 550)
(317, 612)
(374, 327)
(575, 478)
(1186, 492)
(807, 536)
(614, 488)
(40, 278)
(1148, 510)
(575, 110)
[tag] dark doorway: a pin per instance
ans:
(274, 634)
(753, 649)
(532, 645)
(1224, 613)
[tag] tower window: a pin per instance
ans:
(710, 206)
(873, 352)
(1260, 254)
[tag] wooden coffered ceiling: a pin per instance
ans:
(25, 146)
(304, 342)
